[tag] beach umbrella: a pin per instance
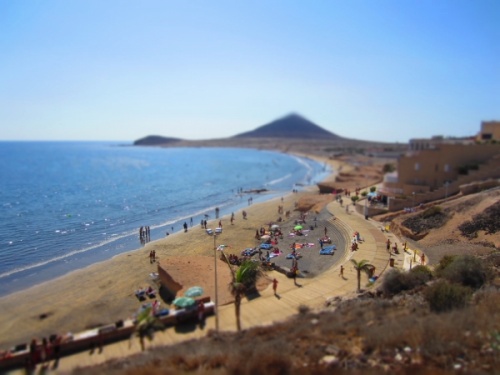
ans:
(184, 302)
(265, 237)
(275, 226)
(298, 227)
(194, 291)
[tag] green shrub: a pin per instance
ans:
(354, 198)
(466, 270)
(394, 282)
(444, 263)
(364, 193)
(422, 273)
(373, 189)
(444, 296)
(397, 281)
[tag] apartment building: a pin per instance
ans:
(435, 168)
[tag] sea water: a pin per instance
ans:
(66, 205)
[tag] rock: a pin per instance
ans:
(333, 350)
(328, 360)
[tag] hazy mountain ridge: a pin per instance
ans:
(155, 140)
(292, 126)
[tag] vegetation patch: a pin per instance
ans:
(466, 270)
(397, 281)
(432, 218)
(486, 221)
(444, 296)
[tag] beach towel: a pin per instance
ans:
(266, 246)
(328, 250)
(274, 255)
(249, 252)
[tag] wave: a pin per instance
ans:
(64, 256)
(278, 180)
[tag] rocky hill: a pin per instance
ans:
(156, 140)
(291, 126)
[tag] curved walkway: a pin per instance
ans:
(267, 308)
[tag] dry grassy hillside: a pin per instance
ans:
(444, 321)
(436, 227)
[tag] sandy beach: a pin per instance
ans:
(104, 293)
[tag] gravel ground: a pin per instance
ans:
(312, 263)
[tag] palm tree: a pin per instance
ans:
(244, 277)
(364, 266)
(145, 325)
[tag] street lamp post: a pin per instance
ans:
(214, 234)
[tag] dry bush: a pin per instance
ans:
(444, 296)
(467, 270)
(396, 281)
(444, 262)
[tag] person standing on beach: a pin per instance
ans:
(326, 231)
(232, 218)
(341, 273)
(275, 286)
(201, 313)
(185, 227)
(33, 354)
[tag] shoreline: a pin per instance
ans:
(103, 292)
(82, 255)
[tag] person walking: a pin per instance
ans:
(341, 273)
(275, 286)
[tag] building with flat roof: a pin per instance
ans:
(490, 131)
(436, 168)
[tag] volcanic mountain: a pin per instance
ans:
(291, 126)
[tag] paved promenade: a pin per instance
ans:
(267, 308)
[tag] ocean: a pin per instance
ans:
(67, 205)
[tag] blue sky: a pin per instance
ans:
(119, 70)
